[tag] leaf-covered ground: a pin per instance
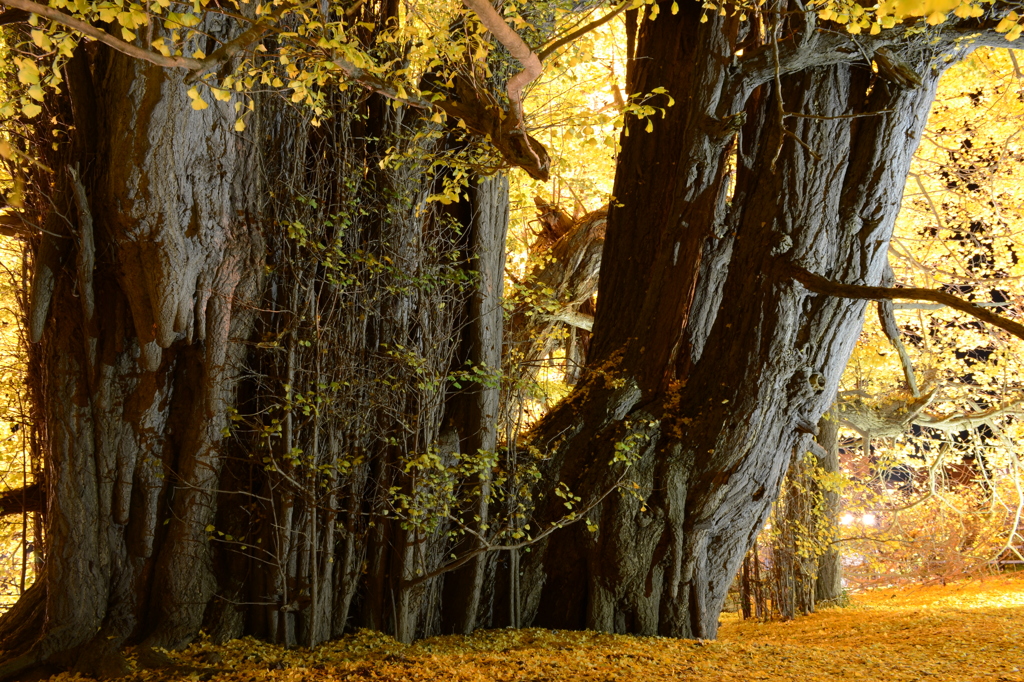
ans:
(963, 632)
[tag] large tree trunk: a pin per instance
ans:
(243, 361)
(708, 379)
(139, 289)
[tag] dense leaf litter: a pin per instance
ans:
(963, 632)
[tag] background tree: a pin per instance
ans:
(940, 408)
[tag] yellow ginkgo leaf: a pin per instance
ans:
(197, 100)
(29, 72)
(1008, 22)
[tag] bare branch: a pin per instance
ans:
(13, 225)
(958, 421)
(583, 30)
(504, 34)
(887, 318)
(575, 318)
(821, 285)
(826, 47)
(198, 67)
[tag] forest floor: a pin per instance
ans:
(962, 632)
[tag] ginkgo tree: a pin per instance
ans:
(266, 353)
(942, 405)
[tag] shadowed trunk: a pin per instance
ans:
(137, 293)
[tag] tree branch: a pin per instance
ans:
(887, 318)
(827, 47)
(821, 285)
(229, 49)
(515, 146)
(575, 318)
(87, 29)
(13, 225)
(382, 87)
(504, 34)
(583, 30)
(198, 67)
(958, 421)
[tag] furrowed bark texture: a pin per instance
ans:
(152, 254)
(709, 379)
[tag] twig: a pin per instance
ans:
(887, 318)
(928, 198)
(779, 106)
(790, 114)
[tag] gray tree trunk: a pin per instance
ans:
(711, 378)
(137, 294)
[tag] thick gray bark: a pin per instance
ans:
(136, 363)
(713, 430)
